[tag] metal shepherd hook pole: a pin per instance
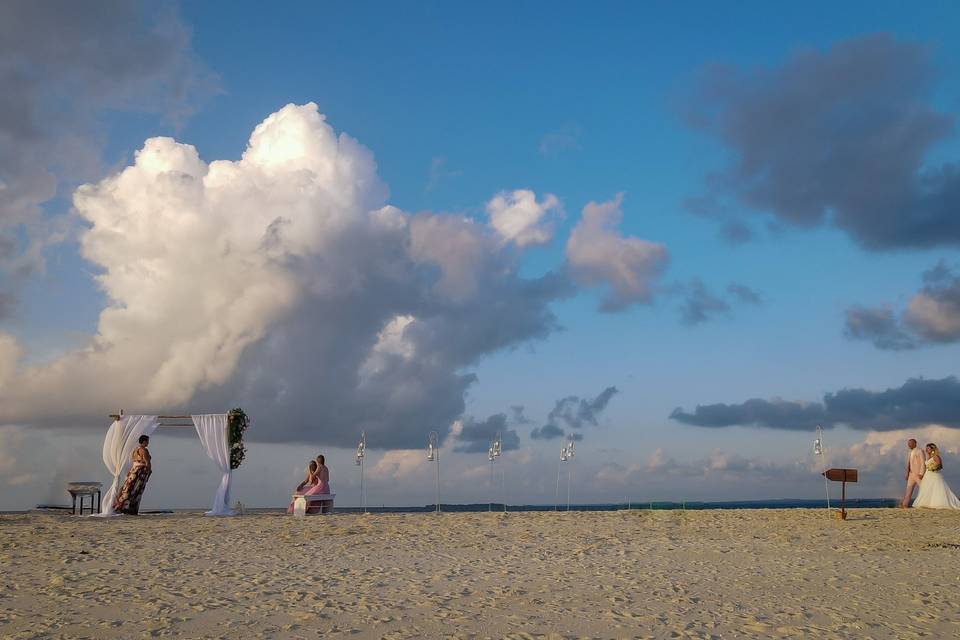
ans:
(361, 454)
(818, 451)
(492, 454)
(556, 498)
(433, 455)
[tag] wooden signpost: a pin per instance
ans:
(842, 476)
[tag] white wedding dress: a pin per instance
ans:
(934, 492)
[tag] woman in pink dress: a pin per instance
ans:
(322, 483)
(308, 483)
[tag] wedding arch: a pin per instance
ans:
(221, 435)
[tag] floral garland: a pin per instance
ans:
(237, 423)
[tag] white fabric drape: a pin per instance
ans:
(212, 430)
(118, 447)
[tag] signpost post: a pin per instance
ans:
(842, 476)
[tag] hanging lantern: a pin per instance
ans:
(361, 448)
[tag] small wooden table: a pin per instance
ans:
(82, 490)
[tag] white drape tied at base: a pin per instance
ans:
(122, 439)
(212, 430)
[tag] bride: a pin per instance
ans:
(934, 492)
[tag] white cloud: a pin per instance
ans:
(197, 259)
(390, 344)
(887, 449)
(519, 218)
(399, 464)
(599, 254)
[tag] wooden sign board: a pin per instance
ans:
(841, 475)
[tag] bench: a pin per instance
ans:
(302, 503)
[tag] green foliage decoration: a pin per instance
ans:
(237, 423)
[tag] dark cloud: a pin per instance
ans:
(63, 63)
(744, 294)
(916, 403)
(475, 437)
(835, 137)
(546, 432)
(700, 305)
(8, 303)
(776, 414)
(879, 326)
(573, 412)
(932, 315)
(518, 415)
(735, 232)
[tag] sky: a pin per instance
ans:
(683, 236)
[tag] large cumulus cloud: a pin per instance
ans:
(283, 282)
(836, 137)
(916, 403)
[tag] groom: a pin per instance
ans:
(916, 465)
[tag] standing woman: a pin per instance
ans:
(934, 491)
(128, 500)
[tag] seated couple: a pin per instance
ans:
(316, 482)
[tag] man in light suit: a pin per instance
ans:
(916, 466)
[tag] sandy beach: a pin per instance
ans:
(884, 573)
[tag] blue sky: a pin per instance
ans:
(458, 102)
(482, 87)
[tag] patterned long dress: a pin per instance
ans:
(128, 500)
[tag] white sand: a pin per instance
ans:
(884, 573)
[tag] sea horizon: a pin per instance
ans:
(480, 507)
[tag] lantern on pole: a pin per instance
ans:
(570, 454)
(818, 451)
(361, 454)
(566, 455)
(492, 454)
(433, 455)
